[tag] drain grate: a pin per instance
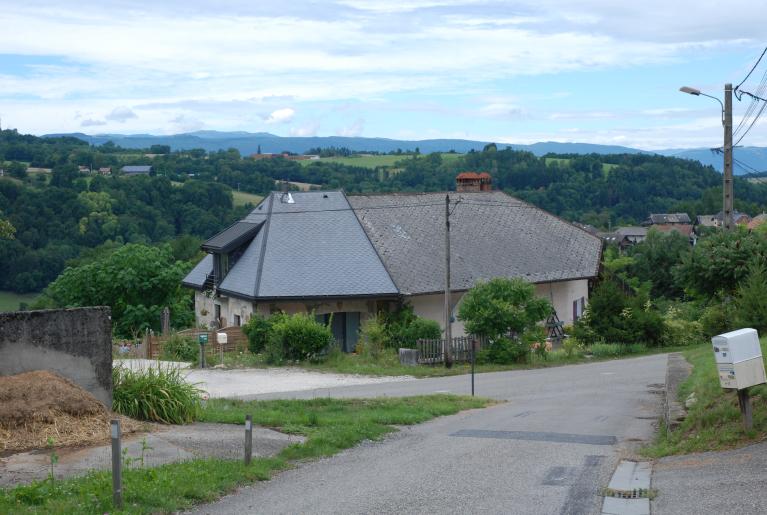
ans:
(636, 493)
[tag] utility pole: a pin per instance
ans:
(448, 329)
(728, 194)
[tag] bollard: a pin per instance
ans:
(117, 488)
(248, 438)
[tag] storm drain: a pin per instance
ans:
(637, 493)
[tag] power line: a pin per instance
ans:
(750, 72)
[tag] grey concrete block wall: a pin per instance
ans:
(76, 343)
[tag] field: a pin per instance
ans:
(371, 161)
(9, 301)
(241, 198)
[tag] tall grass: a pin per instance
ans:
(158, 394)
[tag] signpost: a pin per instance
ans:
(740, 365)
(202, 339)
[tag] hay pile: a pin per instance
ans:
(36, 406)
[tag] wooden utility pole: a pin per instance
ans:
(448, 325)
(728, 194)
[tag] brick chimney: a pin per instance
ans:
(472, 181)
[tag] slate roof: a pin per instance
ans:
(492, 235)
(129, 169)
(314, 247)
(632, 231)
(668, 218)
(232, 237)
(327, 245)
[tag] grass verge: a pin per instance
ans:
(714, 421)
(329, 425)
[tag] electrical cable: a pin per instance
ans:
(750, 72)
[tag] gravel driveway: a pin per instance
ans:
(255, 381)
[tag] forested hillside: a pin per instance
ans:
(60, 214)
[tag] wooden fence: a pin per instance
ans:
(236, 341)
(431, 352)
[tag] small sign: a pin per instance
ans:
(115, 431)
(727, 376)
(248, 425)
(202, 339)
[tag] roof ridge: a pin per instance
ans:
(263, 246)
(370, 242)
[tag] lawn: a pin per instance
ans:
(329, 425)
(373, 161)
(714, 422)
(606, 167)
(9, 301)
(241, 198)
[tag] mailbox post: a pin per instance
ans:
(740, 365)
(221, 338)
(202, 339)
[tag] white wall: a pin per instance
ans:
(563, 294)
(433, 308)
(366, 307)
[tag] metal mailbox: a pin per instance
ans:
(739, 359)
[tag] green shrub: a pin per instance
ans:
(751, 299)
(572, 347)
(180, 348)
(158, 394)
(504, 351)
(373, 337)
(257, 329)
(404, 328)
(679, 331)
(296, 338)
(717, 318)
(614, 316)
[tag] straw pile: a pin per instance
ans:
(36, 406)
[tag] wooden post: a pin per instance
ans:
(744, 400)
(117, 489)
(248, 438)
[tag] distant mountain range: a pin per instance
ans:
(752, 159)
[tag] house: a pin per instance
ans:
(625, 237)
(717, 220)
(325, 253)
(83, 169)
(105, 170)
(136, 170)
(757, 221)
(471, 181)
(668, 219)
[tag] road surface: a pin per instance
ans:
(549, 449)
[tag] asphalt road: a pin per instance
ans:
(549, 449)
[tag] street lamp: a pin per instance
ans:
(727, 123)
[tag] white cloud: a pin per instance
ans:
(283, 115)
(120, 114)
(353, 130)
(310, 129)
(90, 122)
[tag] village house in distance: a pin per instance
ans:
(325, 252)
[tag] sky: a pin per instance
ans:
(592, 71)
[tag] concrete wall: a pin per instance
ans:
(433, 308)
(76, 343)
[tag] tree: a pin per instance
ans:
(500, 306)
(136, 281)
(7, 230)
(751, 299)
(654, 259)
(18, 170)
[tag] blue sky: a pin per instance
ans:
(596, 71)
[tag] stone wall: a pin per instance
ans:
(76, 343)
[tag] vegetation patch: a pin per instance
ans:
(157, 393)
(330, 425)
(714, 421)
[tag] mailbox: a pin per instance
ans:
(739, 359)
(221, 338)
